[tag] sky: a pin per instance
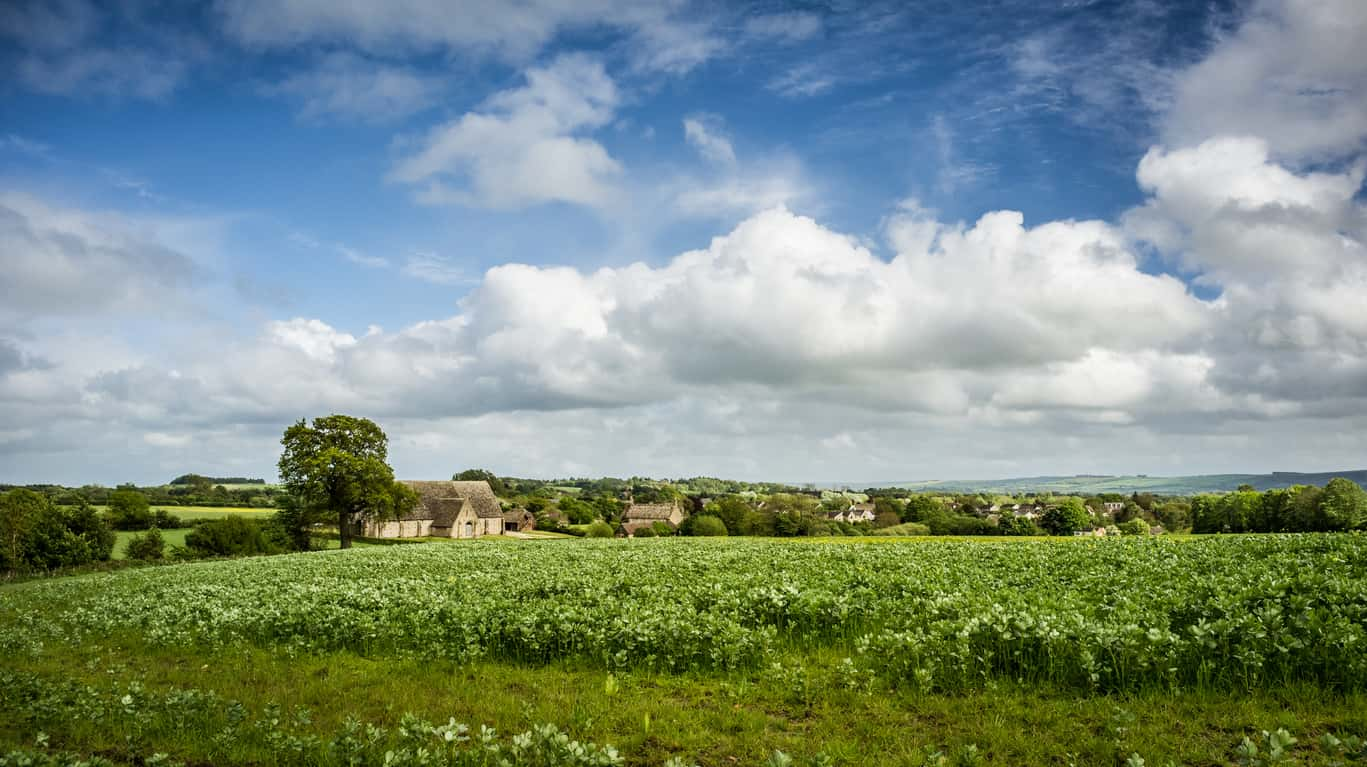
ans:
(817, 241)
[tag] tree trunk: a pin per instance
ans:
(344, 528)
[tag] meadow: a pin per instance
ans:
(709, 651)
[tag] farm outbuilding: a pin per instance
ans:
(518, 520)
(446, 509)
(642, 515)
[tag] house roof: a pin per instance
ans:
(649, 511)
(441, 500)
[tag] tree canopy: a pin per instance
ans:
(338, 466)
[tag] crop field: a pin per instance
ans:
(736, 648)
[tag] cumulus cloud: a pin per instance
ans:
(347, 85)
(780, 307)
(1293, 73)
(65, 261)
(525, 146)
(1288, 251)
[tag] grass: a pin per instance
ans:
(710, 719)
(122, 537)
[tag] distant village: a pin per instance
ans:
(471, 508)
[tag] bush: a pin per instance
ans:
(644, 532)
(36, 536)
(906, 528)
(1018, 526)
(708, 525)
(230, 537)
(147, 547)
(599, 530)
(165, 520)
(1136, 526)
(128, 510)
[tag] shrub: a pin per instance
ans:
(147, 547)
(709, 525)
(1136, 526)
(35, 535)
(906, 528)
(644, 532)
(128, 510)
(229, 537)
(599, 530)
(1018, 526)
(662, 529)
(165, 520)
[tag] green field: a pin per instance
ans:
(713, 651)
(216, 512)
(122, 537)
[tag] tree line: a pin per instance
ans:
(1340, 505)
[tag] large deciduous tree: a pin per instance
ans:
(1068, 517)
(1343, 505)
(338, 467)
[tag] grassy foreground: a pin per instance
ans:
(707, 719)
(713, 652)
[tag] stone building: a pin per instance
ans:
(446, 509)
(639, 515)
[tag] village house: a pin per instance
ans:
(1099, 532)
(860, 512)
(639, 515)
(1113, 507)
(445, 509)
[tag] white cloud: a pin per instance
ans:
(430, 267)
(525, 146)
(1293, 74)
(706, 134)
(59, 52)
(803, 81)
(1289, 253)
(64, 261)
(361, 259)
(793, 26)
(347, 85)
(663, 36)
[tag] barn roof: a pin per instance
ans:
(649, 511)
(442, 500)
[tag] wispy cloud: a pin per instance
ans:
(438, 270)
(352, 86)
(706, 133)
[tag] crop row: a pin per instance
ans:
(1225, 613)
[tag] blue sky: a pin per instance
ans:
(820, 241)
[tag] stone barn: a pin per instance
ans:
(446, 509)
(639, 515)
(518, 520)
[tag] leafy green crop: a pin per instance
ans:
(1226, 613)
